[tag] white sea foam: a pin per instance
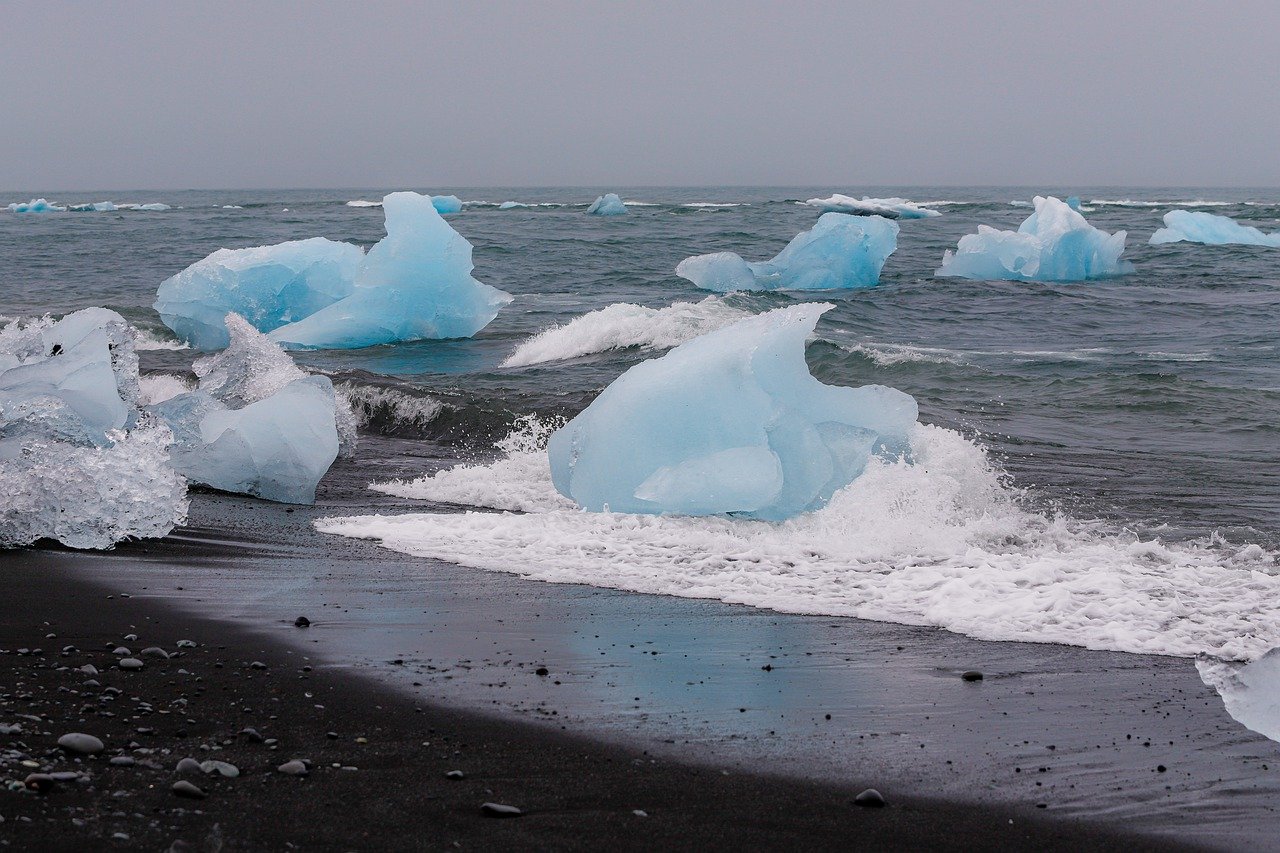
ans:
(942, 542)
(625, 325)
(147, 340)
(886, 355)
(359, 202)
(369, 402)
(157, 387)
(1129, 202)
(716, 204)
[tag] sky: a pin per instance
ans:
(140, 95)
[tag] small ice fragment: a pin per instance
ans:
(607, 205)
(1196, 226)
(889, 208)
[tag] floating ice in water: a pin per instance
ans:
(257, 423)
(1250, 691)
(624, 325)
(158, 387)
(1073, 202)
(36, 205)
(446, 203)
(100, 206)
(360, 202)
(730, 422)
(155, 205)
(508, 205)
(607, 205)
(1196, 226)
(415, 283)
(1055, 243)
(313, 294)
(840, 251)
(270, 286)
(889, 208)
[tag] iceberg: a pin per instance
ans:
(840, 252)
(1055, 243)
(889, 208)
(36, 205)
(607, 205)
(414, 284)
(95, 206)
(1196, 226)
(155, 205)
(730, 422)
(510, 205)
(315, 294)
(270, 286)
(446, 203)
(256, 423)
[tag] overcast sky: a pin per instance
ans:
(108, 95)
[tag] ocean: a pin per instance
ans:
(1100, 466)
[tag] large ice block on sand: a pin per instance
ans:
(889, 208)
(1250, 692)
(270, 286)
(840, 251)
(730, 422)
(446, 203)
(1055, 243)
(36, 205)
(415, 283)
(1195, 226)
(607, 205)
(318, 294)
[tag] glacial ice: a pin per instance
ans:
(415, 283)
(889, 208)
(270, 286)
(315, 294)
(36, 205)
(607, 205)
(1196, 226)
(446, 203)
(1055, 243)
(1073, 202)
(510, 205)
(1250, 692)
(730, 422)
(840, 252)
(100, 206)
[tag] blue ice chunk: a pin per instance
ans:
(36, 205)
(99, 206)
(841, 251)
(277, 448)
(415, 283)
(270, 286)
(1055, 243)
(889, 208)
(607, 205)
(1195, 226)
(446, 203)
(730, 422)
(510, 205)
(1073, 202)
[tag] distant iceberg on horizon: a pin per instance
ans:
(889, 208)
(841, 251)
(1055, 243)
(1196, 226)
(36, 205)
(608, 204)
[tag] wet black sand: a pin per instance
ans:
(378, 757)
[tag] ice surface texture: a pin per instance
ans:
(889, 208)
(840, 251)
(730, 422)
(446, 203)
(77, 464)
(1055, 243)
(1250, 692)
(319, 294)
(36, 205)
(1196, 226)
(607, 205)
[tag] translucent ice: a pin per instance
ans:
(730, 422)
(271, 286)
(315, 294)
(840, 251)
(889, 208)
(1251, 692)
(1055, 243)
(1195, 226)
(36, 205)
(607, 205)
(99, 206)
(446, 203)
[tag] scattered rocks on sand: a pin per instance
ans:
(870, 798)
(81, 744)
(499, 810)
(183, 788)
(971, 675)
(296, 767)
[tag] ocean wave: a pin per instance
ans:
(359, 202)
(887, 355)
(388, 411)
(144, 339)
(157, 387)
(625, 325)
(716, 204)
(1129, 202)
(943, 541)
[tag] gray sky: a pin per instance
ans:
(114, 95)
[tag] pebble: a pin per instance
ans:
(870, 798)
(972, 675)
(222, 768)
(302, 622)
(122, 761)
(81, 744)
(499, 810)
(40, 782)
(294, 768)
(188, 765)
(131, 663)
(121, 651)
(455, 775)
(155, 652)
(186, 644)
(183, 788)
(89, 669)
(640, 813)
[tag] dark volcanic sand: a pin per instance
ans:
(575, 793)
